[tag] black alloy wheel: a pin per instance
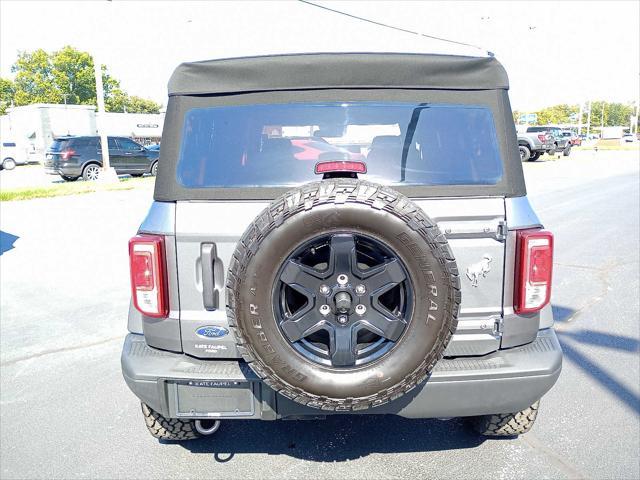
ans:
(343, 300)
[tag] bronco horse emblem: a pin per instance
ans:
(479, 269)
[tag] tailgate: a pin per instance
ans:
(206, 237)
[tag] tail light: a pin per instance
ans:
(534, 265)
(542, 137)
(67, 154)
(148, 275)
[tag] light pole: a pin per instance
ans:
(107, 173)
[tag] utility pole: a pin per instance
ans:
(580, 118)
(107, 174)
(66, 115)
(589, 120)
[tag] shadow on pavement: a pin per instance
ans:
(604, 378)
(6, 241)
(338, 438)
(598, 339)
(560, 313)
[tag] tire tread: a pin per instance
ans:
(173, 429)
(507, 424)
(337, 192)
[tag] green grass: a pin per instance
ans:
(72, 189)
(610, 144)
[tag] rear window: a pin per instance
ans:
(543, 129)
(59, 145)
(85, 141)
(278, 145)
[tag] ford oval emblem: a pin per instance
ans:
(211, 331)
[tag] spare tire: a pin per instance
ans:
(342, 295)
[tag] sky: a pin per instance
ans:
(554, 52)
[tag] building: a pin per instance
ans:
(33, 127)
(612, 132)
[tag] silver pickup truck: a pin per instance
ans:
(540, 139)
(340, 234)
(534, 144)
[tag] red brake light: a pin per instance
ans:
(542, 137)
(340, 166)
(68, 153)
(148, 275)
(534, 268)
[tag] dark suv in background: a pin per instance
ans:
(75, 157)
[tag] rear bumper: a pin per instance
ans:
(70, 169)
(177, 385)
(544, 147)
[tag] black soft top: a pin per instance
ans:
(344, 77)
(338, 70)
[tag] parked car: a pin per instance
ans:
(81, 156)
(532, 145)
(560, 142)
(573, 137)
(414, 282)
(629, 137)
(11, 155)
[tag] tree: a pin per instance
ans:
(615, 114)
(516, 116)
(34, 80)
(141, 105)
(7, 91)
(618, 114)
(67, 75)
(557, 114)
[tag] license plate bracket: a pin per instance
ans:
(214, 398)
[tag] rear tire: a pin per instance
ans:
(534, 156)
(90, 172)
(154, 169)
(172, 429)
(525, 153)
(8, 164)
(567, 151)
(506, 424)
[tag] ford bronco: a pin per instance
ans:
(340, 234)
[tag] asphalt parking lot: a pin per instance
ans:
(66, 412)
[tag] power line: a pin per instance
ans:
(392, 27)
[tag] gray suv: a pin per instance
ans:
(402, 271)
